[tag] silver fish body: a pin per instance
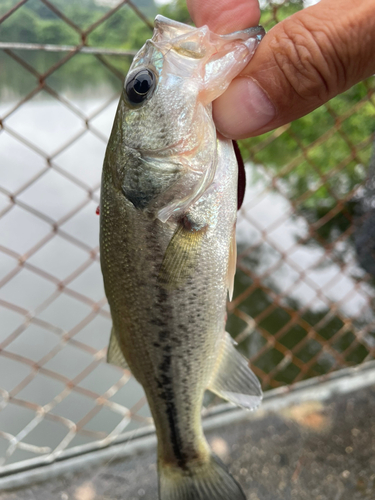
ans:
(168, 212)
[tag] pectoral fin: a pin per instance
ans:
(233, 380)
(114, 353)
(181, 257)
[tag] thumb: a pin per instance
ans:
(301, 63)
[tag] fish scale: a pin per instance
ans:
(167, 219)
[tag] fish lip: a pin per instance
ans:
(254, 31)
(160, 20)
(257, 31)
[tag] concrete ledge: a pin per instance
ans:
(219, 421)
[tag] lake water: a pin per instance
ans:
(50, 162)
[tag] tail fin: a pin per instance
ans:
(210, 481)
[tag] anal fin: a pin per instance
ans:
(233, 380)
(114, 352)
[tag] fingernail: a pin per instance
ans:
(243, 109)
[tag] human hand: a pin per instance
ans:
(301, 63)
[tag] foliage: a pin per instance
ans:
(274, 13)
(316, 161)
(36, 23)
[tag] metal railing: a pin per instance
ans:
(302, 303)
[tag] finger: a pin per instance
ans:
(224, 16)
(301, 63)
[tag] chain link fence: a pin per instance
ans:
(304, 290)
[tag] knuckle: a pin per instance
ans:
(305, 54)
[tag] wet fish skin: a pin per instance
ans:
(168, 211)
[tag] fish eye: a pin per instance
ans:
(140, 86)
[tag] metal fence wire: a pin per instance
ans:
(304, 290)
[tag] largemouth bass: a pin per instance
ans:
(168, 252)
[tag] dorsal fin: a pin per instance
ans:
(241, 185)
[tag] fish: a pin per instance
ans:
(167, 246)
